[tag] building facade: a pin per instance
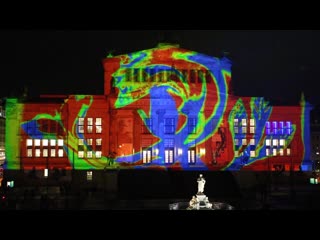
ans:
(162, 108)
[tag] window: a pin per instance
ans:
(81, 154)
(80, 142)
(191, 155)
(192, 124)
(281, 151)
(98, 125)
(146, 155)
(45, 152)
(52, 152)
(252, 122)
(267, 151)
(281, 128)
(37, 142)
(275, 142)
(274, 152)
(81, 125)
(89, 141)
(244, 141)
(168, 155)
(236, 153)
(268, 130)
(236, 129)
(38, 152)
(268, 142)
(169, 126)
(52, 142)
(29, 152)
(288, 151)
(98, 154)
(98, 141)
(60, 142)
(244, 129)
(89, 125)
(288, 128)
(45, 142)
(89, 154)
(274, 127)
(98, 121)
(243, 122)
(282, 142)
(252, 130)
(252, 153)
(252, 142)
(60, 153)
(29, 142)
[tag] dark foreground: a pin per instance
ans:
(154, 190)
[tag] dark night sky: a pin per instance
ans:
(270, 63)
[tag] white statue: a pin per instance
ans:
(201, 182)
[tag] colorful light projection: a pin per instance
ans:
(188, 105)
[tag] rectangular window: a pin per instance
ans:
(288, 151)
(274, 127)
(236, 129)
(98, 154)
(282, 142)
(29, 152)
(98, 141)
(52, 152)
(38, 152)
(244, 141)
(37, 142)
(89, 141)
(60, 153)
(192, 124)
(90, 121)
(98, 121)
(288, 128)
(268, 142)
(281, 151)
(89, 154)
(244, 122)
(80, 142)
(268, 131)
(235, 122)
(29, 142)
(168, 155)
(89, 129)
(81, 154)
(98, 129)
(252, 130)
(252, 153)
(60, 142)
(281, 128)
(45, 152)
(236, 141)
(252, 142)
(274, 151)
(45, 142)
(81, 129)
(252, 122)
(191, 155)
(267, 151)
(244, 129)
(275, 142)
(146, 155)
(81, 121)
(52, 142)
(169, 125)
(236, 153)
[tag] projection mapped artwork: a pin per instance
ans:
(169, 108)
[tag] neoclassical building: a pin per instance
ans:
(162, 108)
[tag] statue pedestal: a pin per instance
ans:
(201, 201)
